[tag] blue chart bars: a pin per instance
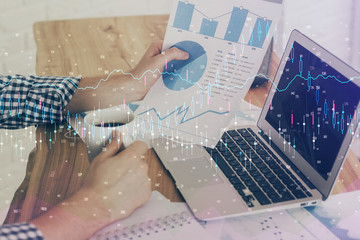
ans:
(208, 27)
(236, 24)
(183, 16)
(255, 36)
(260, 32)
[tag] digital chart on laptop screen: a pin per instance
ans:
(313, 108)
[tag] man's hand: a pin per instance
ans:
(118, 183)
(153, 63)
(115, 185)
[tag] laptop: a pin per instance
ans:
(294, 154)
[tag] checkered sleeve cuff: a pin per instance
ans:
(32, 100)
(19, 231)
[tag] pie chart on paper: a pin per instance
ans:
(180, 75)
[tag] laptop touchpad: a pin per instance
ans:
(194, 172)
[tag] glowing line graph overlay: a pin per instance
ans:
(157, 71)
(179, 111)
(309, 78)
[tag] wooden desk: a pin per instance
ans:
(94, 47)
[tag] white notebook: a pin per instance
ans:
(157, 219)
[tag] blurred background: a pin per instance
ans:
(332, 23)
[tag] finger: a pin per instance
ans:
(171, 54)
(118, 137)
(135, 150)
(113, 147)
(154, 49)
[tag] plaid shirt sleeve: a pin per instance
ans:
(20, 231)
(32, 100)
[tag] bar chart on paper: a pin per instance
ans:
(242, 25)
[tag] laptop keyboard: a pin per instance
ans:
(254, 170)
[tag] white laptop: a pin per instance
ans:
(292, 157)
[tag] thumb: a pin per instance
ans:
(172, 54)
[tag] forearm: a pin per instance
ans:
(31, 100)
(94, 93)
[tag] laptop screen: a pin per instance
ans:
(312, 108)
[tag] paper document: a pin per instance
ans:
(157, 219)
(226, 40)
(288, 224)
(340, 213)
(336, 218)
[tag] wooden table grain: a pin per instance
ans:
(94, 47)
